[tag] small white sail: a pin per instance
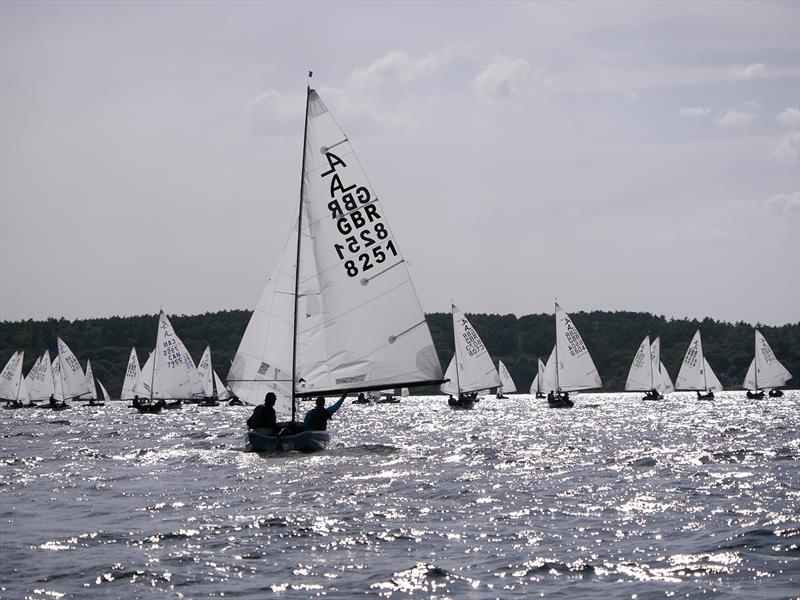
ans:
(711, 379)
(666, 386)
(206, 372)
(750, 377)
(404, 393)
(11, 377)
(73, 379)
(40, 378)
(450, 386)
(535, 385)
(507, 383)
(92, 393)
(692, 375)
(141, 387)
(640, 375)
(131, 375)
(547, 383)
(769, 373)
(222, 390)
(170, 374)
(475, 371)
(575, 368)
(103, 392)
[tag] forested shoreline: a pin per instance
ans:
(612, 339)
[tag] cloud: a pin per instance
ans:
(788, 149)
(740, 73)
(503, 77)
(273, 113)
(734, 118)
(398, 66)
(693, 111)
(785, 206)
(790, 118)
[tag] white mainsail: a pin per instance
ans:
(355, 322)
(29, 376)
(11, 377)
(474, 369)
(661, 379)
(206, 372)
(92, 393)
(640, 375)
(71, 375)
(765, 370)
(103, 392)
(169, 374)
(131, 375)
(58, 382)
(507, 384)
(692, 375)
(575, 368)
(41, 385)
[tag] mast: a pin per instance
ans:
(455, 353)
(297, 259)
(558, 387)
(755, 359)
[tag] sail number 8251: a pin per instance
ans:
(364, 261)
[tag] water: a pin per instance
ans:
(616, 498)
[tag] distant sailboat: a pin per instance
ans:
(41, 378)
(70, 380)
(696, 374)
(92, 393)
(29, 376)
(339, 313)
(507, 383)
(131, 375)
(647, 374)
(574, 367)
(660, 375)
(12, 382)
(166, 374)
(765, 371)
(213, 389)
(471, 368)
(536, 385)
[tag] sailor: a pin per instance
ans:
(317, 418)
(263, 418)
(550, 396)
(52, 400)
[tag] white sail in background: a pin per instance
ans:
(404, 393)
(450, 386)
(206, 372)
(222, 390)
(547, 383)
(29, 376)
(73, 379)
(711, 379)
(103, 392)
(170, 374)
(40, 379)
(575, 368)
(661, 379)
(507, 383)
(640, 375)
(692, 375)
(194, 377)
(535, 384)
(58, 381)
(475, 369)
(131, 375)
(92, 393)
(765, 370)
(359, 324)
(141, 387)
(11, 376)
(665, 386)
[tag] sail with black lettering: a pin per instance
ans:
(507, 384)
(473, 369)
(575, 368)
(695, 373)
(131, 375)
(166, 374)
(640, 375)
(344, 317)
(11, 377)
(71, 375)
(212, 384)
(92, 393)
(765, 371)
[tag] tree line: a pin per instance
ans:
(612, 337)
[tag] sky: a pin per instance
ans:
(615, 155)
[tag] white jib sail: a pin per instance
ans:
(666, 386)
(548, 382)
(11, 376)
(770, 373)
(170, 374)
(40, 379)
(711, 379)
(92, 393)
(640, 375)
(692, 375)
(360, 323)
(475, 371)
(131, 375)
(575, 368)
(191, 369)
(507, 383)
(103, 392)
(661, 380)
(72, 376)
(222, 391)
(535, 385)
(450, 386)
(206, 372)
(58, 382)
(141, 387)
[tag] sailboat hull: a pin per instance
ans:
(303, 441)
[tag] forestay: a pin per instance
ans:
(131, 375)
(640, 375)
(73, 379)
(507, 383)
(575, 368)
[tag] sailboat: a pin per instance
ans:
(661, 377)
(166, 374)
(765, 371)
(91, 395)
(41, 384)
(471, 369)
(696, 374)
(12, 382)
(537, 385)
(131, 375)
(339, 313)
(647, 373)
(69, 378)
(507, 383)
(213, 389)
(574, 367)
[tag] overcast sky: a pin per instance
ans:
(638, 156)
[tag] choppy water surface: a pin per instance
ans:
(616, 498)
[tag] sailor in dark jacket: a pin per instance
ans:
(263, 418)
(317, 418)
